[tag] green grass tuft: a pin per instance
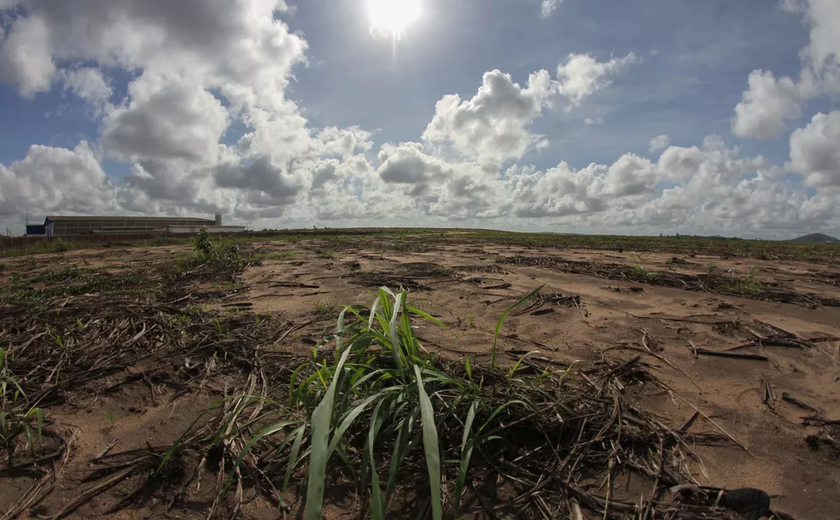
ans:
(17, 417)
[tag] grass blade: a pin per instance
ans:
(271, 429)
(298, 435)
(349, 418)
(424, 315)
(400, 449)
(378, 509)
(502, 320)
(177, 444)
(318, 457)
(466, 453)
(430, 445)
(519, 362)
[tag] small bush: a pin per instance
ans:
(203, 245)
(225, 256)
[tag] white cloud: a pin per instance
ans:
(55, 180)
(713, 190)
(766, 105)
(596, 121)
(660, 142)
(548, 7)
(238, 48)
(90, 85)
(823, 17)
(25, 59)
(582, 75)
(769, 102)
(815, 150)
(492, 125)
(166, 119)
(198, 65)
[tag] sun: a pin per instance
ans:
(392, 15)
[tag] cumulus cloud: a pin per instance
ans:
(196, 66)
(593, 121)
(55, 179)
(407, 164)
(766, 105)
(547, 7)
(166, 119)
(660, 142)
(582, 75)
(769, 102)
(239, 45)
(814, 150)
(265, 183)
(491, 126)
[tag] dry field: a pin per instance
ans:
(162, 382)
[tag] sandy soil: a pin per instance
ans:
(468, 286)
(611, 320)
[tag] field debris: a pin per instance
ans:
(164, 387)
(746, 286)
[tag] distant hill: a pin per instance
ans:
(816, 237)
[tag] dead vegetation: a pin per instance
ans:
(573, 433)
(366, 421)
(745, 285)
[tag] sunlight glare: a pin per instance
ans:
(393, 15)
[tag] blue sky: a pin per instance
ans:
(299, 113)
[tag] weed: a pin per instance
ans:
(711, 268)
(84, 281)
(142, 290)
(55, 335)
(161, 241)
(325, 311)
(222, 256)
(218, 325)
(502, 320)
(326, 254)
(111, 418)
(749, 284)
(638, 272)
(16, 417)
(204, 248)
(181, 265)
(44, 246)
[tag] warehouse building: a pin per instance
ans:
(58, 226)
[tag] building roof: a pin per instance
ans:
(173, 220)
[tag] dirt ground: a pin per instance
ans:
(595, 306)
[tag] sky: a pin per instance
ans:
(567, 116)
